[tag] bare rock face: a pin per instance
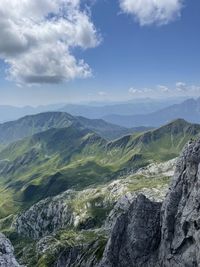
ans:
(180, 238)
(45, 217)
(135, 236)
(149, 235)
(7, 258)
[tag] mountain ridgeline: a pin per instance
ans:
(52, 161)
(32, 124)
(68, 194)
(188, 110)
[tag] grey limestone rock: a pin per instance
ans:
(149, 235)
(7, 258)
(136, 235)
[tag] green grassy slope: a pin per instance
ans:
(32, 124)
(159, 145)
(53, 161)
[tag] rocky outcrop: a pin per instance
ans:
(157, 169)
(180, 232)
(45, 217)
(135, 236)
(7, 258)
(148, 236)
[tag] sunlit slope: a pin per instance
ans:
(55, 160)
(32, 124)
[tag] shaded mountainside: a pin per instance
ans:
(43, 165)
(32, 124)
(188, 110)
(149, 234)
(145, 232)
(71, 198)
(56, 160)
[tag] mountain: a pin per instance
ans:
(48, 163)
(55, 160)
(95, 110)
(9, 113)
(162, 143)
(188, 110)
(140, 106)
(120, 222)
(29, 125)
(108, 130)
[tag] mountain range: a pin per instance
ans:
(94, 110)
(59, 158)
(188, 110)
(137, 106)
(63, 185)
(31, 124)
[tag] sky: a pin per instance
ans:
(69, 51)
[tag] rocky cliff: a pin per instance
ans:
(149, 234)
(7, 258)
(142, 231)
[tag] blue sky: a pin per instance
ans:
(127, 58)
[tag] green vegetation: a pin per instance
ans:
(53, 161)
(90, 243)
(32, 124)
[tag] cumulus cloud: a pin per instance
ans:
(38, 37)
(181, 86)
(142, 91)
(176, 90)
(163, 88)
(148, 12)
(133, 91)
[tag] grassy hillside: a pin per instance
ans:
(160, 144)
(53, 161)
(32, 124)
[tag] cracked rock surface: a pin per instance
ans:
(150, 234)
(7, 258)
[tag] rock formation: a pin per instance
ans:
(7, 258)
(135, 236)
(45, 217)
(149, 235)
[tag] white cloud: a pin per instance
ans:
(142, 91)
(37, 38)
(152, 11)
(181, 86)
(176, 90)
(163, 88)
(134, 91)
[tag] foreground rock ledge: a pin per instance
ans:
(150, 235)
(7, 258)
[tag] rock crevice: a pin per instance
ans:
(149, 234)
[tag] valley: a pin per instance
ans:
(63, 185)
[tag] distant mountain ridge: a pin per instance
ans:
(188, 110)
(95, 110)
(10, 113)
(32, 124)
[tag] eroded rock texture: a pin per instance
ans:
(7, 258)
(180, 240)
(135, 236)
(148, 236)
